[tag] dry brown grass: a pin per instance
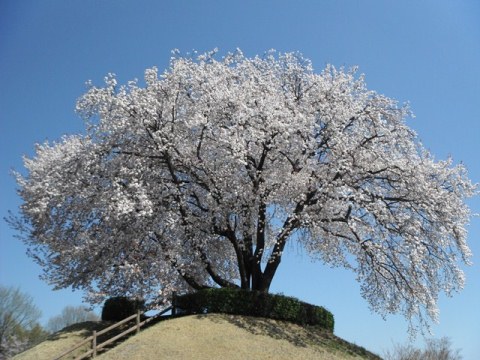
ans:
(61, 341)
(218, 336)
(213, 336)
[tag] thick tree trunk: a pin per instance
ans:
(258, 281)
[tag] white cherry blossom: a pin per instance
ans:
(201, 177)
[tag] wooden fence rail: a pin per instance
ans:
(94, 338)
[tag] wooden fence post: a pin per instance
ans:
(138, 321)
(94, 343)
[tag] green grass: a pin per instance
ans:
(215, 336)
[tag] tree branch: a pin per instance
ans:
(215, 277)
(190, 280)
(289, 225)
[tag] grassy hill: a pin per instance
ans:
(61, 341)
(213, 336)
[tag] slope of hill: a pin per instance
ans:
(217, 336)
(61, 341)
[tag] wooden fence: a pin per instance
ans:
(94, 338)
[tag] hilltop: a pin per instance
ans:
(213, 336)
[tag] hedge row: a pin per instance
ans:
(253, 303)
(121, 307)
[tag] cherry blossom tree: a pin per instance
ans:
(203, 174)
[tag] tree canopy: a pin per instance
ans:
(435, 349)
(200, 177)
(19, 328)
(70, 315)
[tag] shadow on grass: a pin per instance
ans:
(301, 336)
(85, 330)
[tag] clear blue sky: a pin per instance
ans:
(425, 52)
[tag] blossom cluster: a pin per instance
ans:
(201, 176)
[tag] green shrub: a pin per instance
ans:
(254, 303)
(120, 307)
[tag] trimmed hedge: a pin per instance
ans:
(120, 307)
(254, 303)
